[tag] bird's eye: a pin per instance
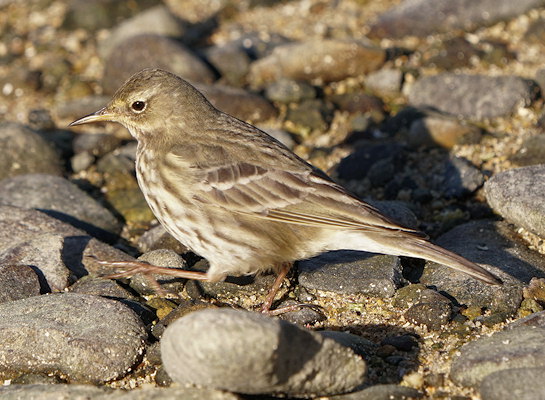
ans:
(138, 106)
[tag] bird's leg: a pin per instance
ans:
(266, 307)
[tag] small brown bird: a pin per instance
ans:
(238, 197)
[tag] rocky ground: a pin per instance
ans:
(432, 110)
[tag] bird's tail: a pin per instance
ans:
(422, 248)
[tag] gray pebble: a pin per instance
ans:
(474, 97)
(385, 81)
(60, 199)
(152, 51)
(460, 178)
(161, 258)
(517, 195)
(289, 91)
(424, 17)
(23, 151)
(382, 392)
(86, 338)
(254, 354)
(492, 245)
(350, 272)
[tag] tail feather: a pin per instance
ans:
(437, 254)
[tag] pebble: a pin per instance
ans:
(493, 245)
(441, 130)
(351, 272)
(155, 20)
(89, 392)
(158, 238)
(327, 59)
(385, 82)
(531, 152)
(382, 392)
(424, 17)
(289, 91)
(232, 61)
(104, 336)
(460, 178)
(251, 353)
(475, 97)
(359, 163)
(517, 195)
(517, 383)
(161, 258)
(424, 306)
(152, 51)
(61, 199)
(238, 102)
(23, 151)
(520, 346)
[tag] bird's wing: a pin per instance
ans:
(305, 197)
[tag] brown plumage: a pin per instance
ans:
(237, 196)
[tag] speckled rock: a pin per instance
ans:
(328, 60)
(522, 346)
(517, 196)
(23, 151)
(17, 282)
(472, 96)
(251, 353)
(494, 246)
(350, 272)
(86, 338)
(60, 199)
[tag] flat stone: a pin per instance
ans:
(519, 347)
(60, 199)
(251, 353)
(351, 272)
(86, 338)
(517, 195)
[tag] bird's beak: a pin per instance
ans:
(101, 115)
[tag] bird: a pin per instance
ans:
(241, 199)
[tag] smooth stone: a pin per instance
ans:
(289, 91)
(155, 20)
(352, 272)
(311, 114)
(424, 17)
(517, 383)
(532, 152)
(161, 258)
(382, 392)
(460, 178)
(81, 161)
(518, 347)
(158, 238)
(23, 151)
(232, 61)
(97, 144)
(152, 51)
(517, 195)
(85, 338)
(61, 199)
(101, 287)
(328, 60)
(17, 282)
(238, 102)
(303, 315)
(53, 392)
(251, 353)
(174, 393)
(77, 251)
(475, 97)
(358, 164)
(441, 130)
(385, 81)
(358, 344)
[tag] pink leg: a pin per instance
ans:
(266, 307)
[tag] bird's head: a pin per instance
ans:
(154, 105)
